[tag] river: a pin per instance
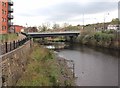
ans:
(93, 67)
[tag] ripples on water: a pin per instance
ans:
(93, 66)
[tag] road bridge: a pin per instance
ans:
(51, 34)
(70, 34)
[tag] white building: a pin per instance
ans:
(113, 27)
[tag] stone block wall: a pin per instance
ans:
(13, 64)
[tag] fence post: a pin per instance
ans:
(30, 42)
(10, 46)
(73, 70)
(13, 44)
(18, 43)
(25, 39)
(22, 41)
(6, 47)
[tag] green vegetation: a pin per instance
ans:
(109, 38)
(8, 37)
(72, 28)
(115, 21)
(56, 39)
(42, 69)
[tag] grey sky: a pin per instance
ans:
(35, 13)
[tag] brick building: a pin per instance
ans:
(6, 16)
(17, 28)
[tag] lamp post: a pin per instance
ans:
(105, 15)
(83, 20)
(26, 27)
(94, 22)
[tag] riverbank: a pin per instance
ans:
(44, 69)
(104, 39)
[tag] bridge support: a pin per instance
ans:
(71, 39)
(43, 39)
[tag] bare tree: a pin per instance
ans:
(65, 25)
(44, 27)
(56, 26)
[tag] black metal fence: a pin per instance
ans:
(7, 47)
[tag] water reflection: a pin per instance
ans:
(93, 66)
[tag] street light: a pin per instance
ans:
(26, 27)
(105, 15)
(95, 23)
(83, 20)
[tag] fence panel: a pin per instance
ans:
(7, 47)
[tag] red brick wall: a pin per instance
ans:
(18, 28)
(5, 16)
(0, 16)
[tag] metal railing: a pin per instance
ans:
(10, 23)
(10, 9)
(10, 16)
(7, 47)
(10, 2)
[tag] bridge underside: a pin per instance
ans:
(43, 35)
(53, 34)
(49, 35)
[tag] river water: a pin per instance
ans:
(93, 67)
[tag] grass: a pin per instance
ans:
(42, 70)
(8, 37)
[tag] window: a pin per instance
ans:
(5, 12)
(3, 27)
(2, 11)
(2, 3)
(5, 20)
(2, 19)
(5, 4)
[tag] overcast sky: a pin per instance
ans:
(36, 12)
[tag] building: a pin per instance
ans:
(113, 27)
(17, 28)
(6, 16)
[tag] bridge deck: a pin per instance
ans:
(52, 34)
(67, 32)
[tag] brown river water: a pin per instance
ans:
(93, 66)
